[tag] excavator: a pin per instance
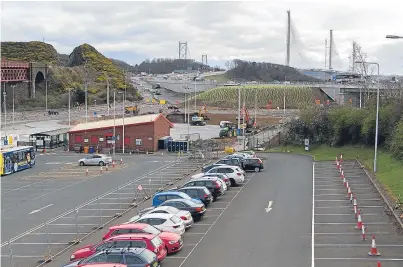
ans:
(199, 118)
(250, 124)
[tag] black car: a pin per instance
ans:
(253, 164)
(196, 210)
(238, 162)
(200, 192)
(212, 184)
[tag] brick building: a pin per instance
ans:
(141, 133)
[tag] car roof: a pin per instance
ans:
(194, 187)
(204, 178)
(188, 201)
(124, 250)
(157, 215)
(130, 237)
(171, 193)
(99, 264)
(225, 166)
(164, 208)
(129, 225)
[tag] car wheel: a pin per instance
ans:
(101, 163)
(257, 169)
(214, 199)
(233, 183)
(81, 163)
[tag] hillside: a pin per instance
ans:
(68, 72)
(123, 65)
(264, 72)
(29, 51)
(164, 66)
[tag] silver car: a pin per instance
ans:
(95, 159)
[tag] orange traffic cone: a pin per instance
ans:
(379, 264)
(344, 181)
(349, 192)
(342, 175)
(337, 160)
(113, 163)
(341, 157)
(363, 233)
(86, 172)
(374, 251)
(347, 185)
(101, 170)
(359, 221)
(337, 165)
(121, 160)
(351, 197)
(355, 212)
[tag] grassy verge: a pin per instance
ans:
(221, 78)
(389, 172)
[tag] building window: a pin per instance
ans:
(78, 139)
(138, 142)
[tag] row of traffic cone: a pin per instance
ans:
(357, 213)
(101, 170)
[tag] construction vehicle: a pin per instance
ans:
(249, 124)
(201, 113)
(197, 121)
(132, 110)
(228, 130)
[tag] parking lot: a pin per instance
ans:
(61, 204)
(337, 242)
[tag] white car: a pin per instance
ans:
(162, 221)
(224, 185)
(183, 214)
(235, 174)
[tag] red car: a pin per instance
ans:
(102, 265)
(148, 241)
(173, 242)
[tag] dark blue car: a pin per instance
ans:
(160, 198)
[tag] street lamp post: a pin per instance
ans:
(86, 92)
(13, 87)
(124, 109)
(377, 113)
(69, 89)
(5, 112)
(114, 123)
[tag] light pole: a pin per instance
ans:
(377, 112)
(195, 98)
(13, 87)
(114, 123)
(107, 92)
(69, 89)
(5, 111)
(86, 91)
(46, 92)
(124, 109)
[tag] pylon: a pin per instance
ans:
(342, 175)
(379, 264)
(121, 160)
(101, 170)
(337, 165)
(344, 181)
(340, 168)
(107, 167)
(86, 172)
(351, 197)
(355, 212)
(359, 222)
(355, 203)
(374, 251)
(113, 163)
(363, 233)
(341, 157)
(337, 160)
(347, 185)
(349, 192)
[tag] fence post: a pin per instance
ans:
(101, 223)
(76, 222)
(10, 254)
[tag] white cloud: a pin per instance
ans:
(222, 30)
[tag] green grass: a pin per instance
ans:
(389, 172)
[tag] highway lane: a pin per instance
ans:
(246, 235)
(67, 197)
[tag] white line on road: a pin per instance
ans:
(313, 218)
(201, 224)
(367, 223)
(38, 210)
(70, 224)
(57, 234)
(353, 233)
(22, 256)
(360, 259)
(269, 208)
(338, 207)
(44, 243)
(349, 214)
(356, 245)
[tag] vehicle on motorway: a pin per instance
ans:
(235, 174)
(16, 159)
(95, 159)
(173, 242)
(149, 241)
(254, 164)
(200, 192)
(213, 185)
(197, 210)
(161, 197)
(184, 215)
(161, 221)
(222, 176)
(132, 257)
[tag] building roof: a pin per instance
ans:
(143, 119)
(53, 132)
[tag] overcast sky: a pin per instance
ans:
(134, 31)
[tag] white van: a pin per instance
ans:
(223, 124)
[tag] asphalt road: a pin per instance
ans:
(237, 230)
(62, 186)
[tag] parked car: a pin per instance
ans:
(213, 185)
(231, 162)
(254, 164)
(173, 242)
(249, 152)
(218, 179)
(197, 210)
(200, 192)
(183, 214)
(222, 176)
(235, 175)
(161, 221)
(159, 198)
(104, 265)
(96, 159)
(149, 241)
(132, 257)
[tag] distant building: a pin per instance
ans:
(141, 133)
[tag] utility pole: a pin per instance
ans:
(86, 92)
(195, 98)
(330, 49)
(114, 123)
(354, 59)
(325, 53)
(288, 37)
(124, 103)
(69, 106)
(107, 93)
(46, 90)
(13, 87)
(5, 111)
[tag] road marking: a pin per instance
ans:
(57, 234)
(360, 259)
(313, 218)
(215, 221)
(45, 243)
(22, 256)
(353, 233)
(337, 207)
(356, 245)
(195, 233)
(349, 214)
(70, 224)
(367, 223)
(202, 224)
(38, 210)
(269, 208)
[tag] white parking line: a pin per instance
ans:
(72, 224)
(57, 234)
(337, 223)
(356, 245)
(22, 256)
(202, 224)
(45, 243)
(349, 214)
(344, 206)
(361, 259)
(353, 233)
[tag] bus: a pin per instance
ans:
(16, 159)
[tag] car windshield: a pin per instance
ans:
(147, 255)
(175, 219)
(152, 230)
(156, 241)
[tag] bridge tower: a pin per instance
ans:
(204, 62)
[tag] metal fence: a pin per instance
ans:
(48, 240)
